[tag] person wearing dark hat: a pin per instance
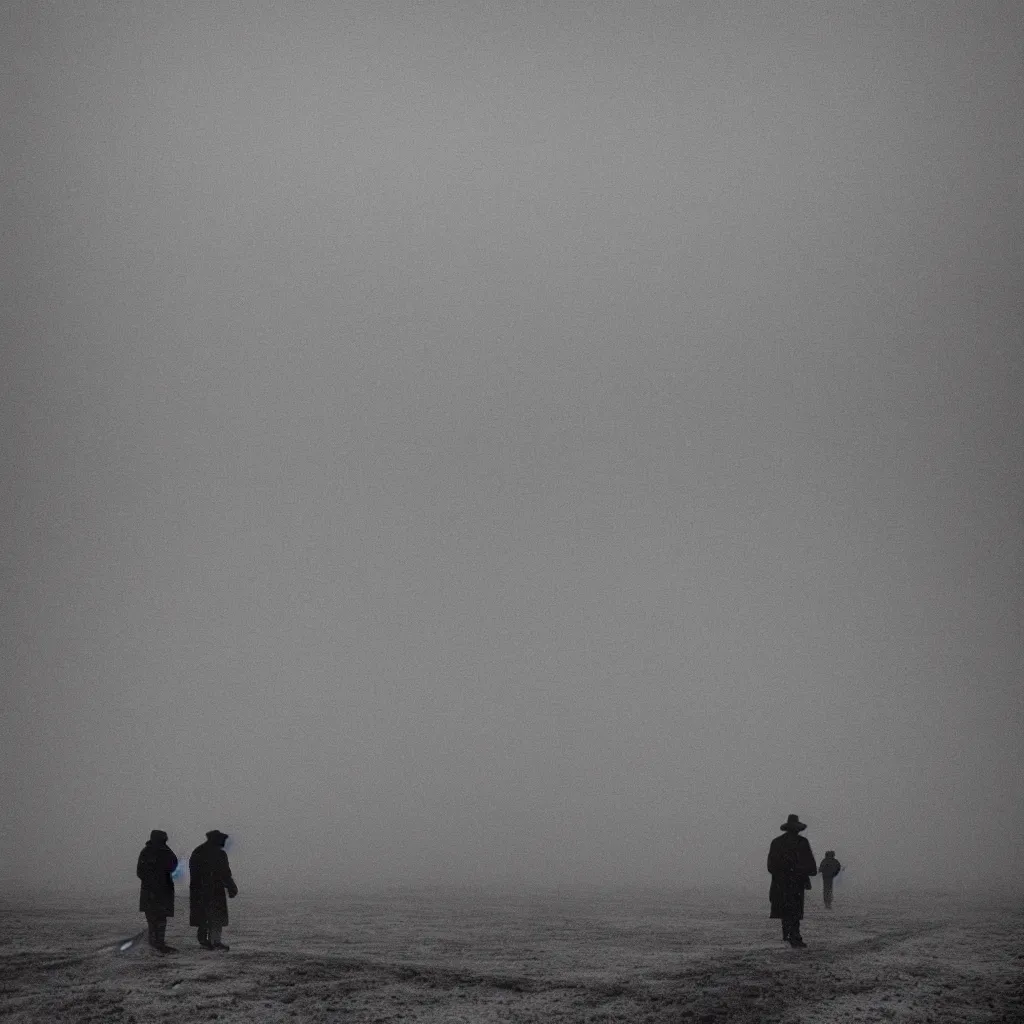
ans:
(829, 868)
(791, 864)
(209, 878)
(156, 896)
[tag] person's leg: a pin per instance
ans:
(795, 939)
(161, 937)
(151, 925)
(215, 939)
(787, 926)
(203, 935)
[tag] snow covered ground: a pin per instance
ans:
(486, 956)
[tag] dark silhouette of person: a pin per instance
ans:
(828, 869)
(791, 865)
(156, 894)
(209, 877)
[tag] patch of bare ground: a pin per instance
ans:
(440, 959)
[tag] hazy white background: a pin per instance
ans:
(511, 441)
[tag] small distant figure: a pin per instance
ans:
(829, 868)
(156, 895)
(791, 865)
(209, 877)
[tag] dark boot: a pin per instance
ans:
(203, 934)
(795, 939)
(161, 931)
(151, 932)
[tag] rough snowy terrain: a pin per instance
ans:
(476, 956)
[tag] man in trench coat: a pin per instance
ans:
(791, 864)
(209, 877)
(156, 895)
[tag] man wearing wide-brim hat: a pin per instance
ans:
(791, 864)
(209, 877)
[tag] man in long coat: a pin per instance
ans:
(209, 877)
(156, 895)
(829, 868)
(791, 864)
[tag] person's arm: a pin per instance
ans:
(229, 882)
(809, 865)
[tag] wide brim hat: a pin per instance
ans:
(793, 824)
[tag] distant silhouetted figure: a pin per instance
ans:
(156, 895)
(209, 877)
(791, 864)
(829, 868)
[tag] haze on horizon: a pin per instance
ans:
(492, 442)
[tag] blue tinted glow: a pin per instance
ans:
(179, 872)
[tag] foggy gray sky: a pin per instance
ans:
(494, 441)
